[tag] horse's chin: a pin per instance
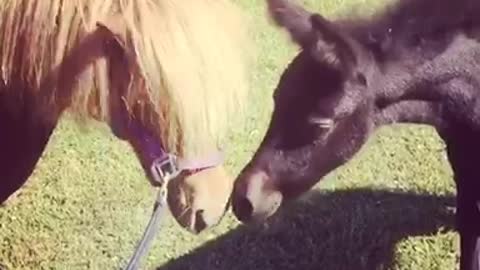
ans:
(199, 201)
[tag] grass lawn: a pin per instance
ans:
(87, 202)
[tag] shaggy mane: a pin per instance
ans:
(188, 77)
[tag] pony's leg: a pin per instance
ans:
(22, 141)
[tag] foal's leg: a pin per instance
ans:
(468, 218)
(476, 256)
(466, 176)
(463, 147)
(22, 141)
(469, 248)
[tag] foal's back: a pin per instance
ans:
(414, 31)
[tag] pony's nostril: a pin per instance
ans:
(200, 223)
(243, 209)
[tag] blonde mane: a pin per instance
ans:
(188, 74)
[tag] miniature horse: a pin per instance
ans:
(149, 70)
(416, 63)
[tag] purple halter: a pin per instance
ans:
(166, 166)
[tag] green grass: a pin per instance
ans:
(87, 202)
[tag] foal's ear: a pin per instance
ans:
(313, 32)
(331, 45)
(294, 18)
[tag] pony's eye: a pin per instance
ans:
(322, 122)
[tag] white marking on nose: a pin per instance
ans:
(255, 188)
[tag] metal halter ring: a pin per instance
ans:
(165, 169)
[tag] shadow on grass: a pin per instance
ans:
(350, 229)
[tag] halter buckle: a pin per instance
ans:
(165, 169)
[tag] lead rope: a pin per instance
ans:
(159, 210)
(163, 170)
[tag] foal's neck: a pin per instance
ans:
(460, 60)
(444, 89)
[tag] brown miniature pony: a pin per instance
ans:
(165, 75)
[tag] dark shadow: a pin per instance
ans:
(349, 229)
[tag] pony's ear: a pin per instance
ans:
(313, 32)
(113, 32)
(115, 28)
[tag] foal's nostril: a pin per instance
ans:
(243, 209)
(200, 223)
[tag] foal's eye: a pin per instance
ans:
(321, 122)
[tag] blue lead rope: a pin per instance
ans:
(159, 209)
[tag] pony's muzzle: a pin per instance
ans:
(198, 201)
(254, 199)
